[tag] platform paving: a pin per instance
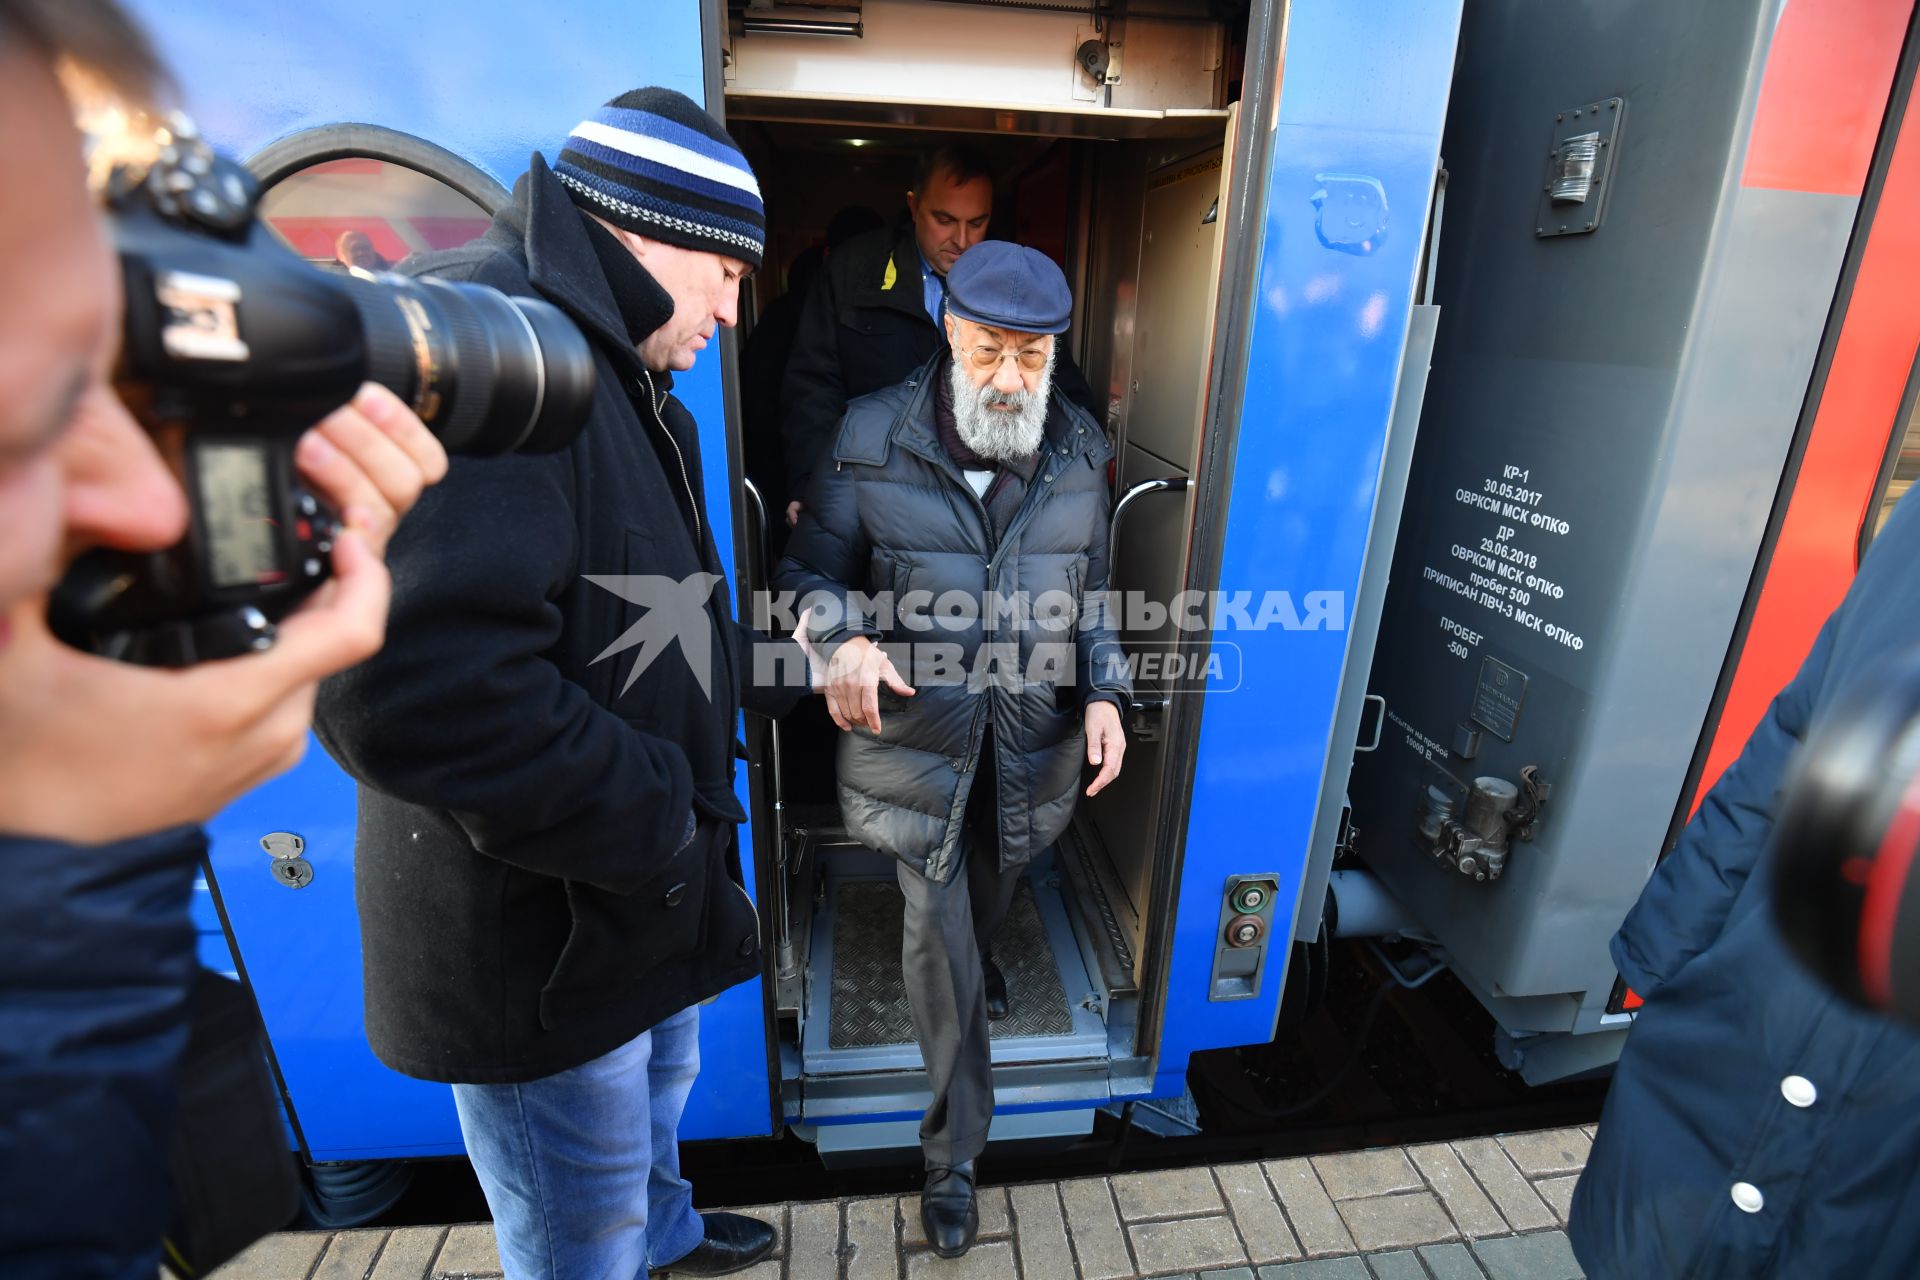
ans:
(1490, 1208)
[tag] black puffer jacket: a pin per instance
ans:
(865, 328)
(891, 513)
(546, 862)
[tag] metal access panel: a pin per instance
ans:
(1297, 437)
(1604, 431)
(493, 91)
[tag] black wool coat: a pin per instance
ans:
(546, 860)
(865, 328)
(892, 513)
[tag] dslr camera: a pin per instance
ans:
(233, 346)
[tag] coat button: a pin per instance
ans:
(675, 896)
(1799, 1091)
(1747, 1198)
(746, 949)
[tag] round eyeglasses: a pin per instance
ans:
(1031, 360)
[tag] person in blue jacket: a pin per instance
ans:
(106, 768)
(1757, 1126)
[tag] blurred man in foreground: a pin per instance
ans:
(99, 948)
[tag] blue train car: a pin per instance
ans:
(1246, 198)
(1245, 249)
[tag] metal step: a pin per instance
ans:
(857, 1018)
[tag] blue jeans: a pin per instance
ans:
(582, 1169)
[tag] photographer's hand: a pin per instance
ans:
(371, 458)
(93, 750)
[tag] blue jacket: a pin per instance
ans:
(1756, 1126)
(97, 958)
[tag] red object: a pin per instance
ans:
(1816, 555)
(1888, 882)
(1824, 94)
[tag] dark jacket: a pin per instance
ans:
(893, 513)
(546, 863)
(866, 328)
(97, 959)
(1701, 1099)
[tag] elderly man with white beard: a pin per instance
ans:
(959, 526)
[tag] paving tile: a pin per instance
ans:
(1395, 1222)
(1523, 1210)
(1315, 1221)
(992, 1261)
(1558, 1193)
(775, 1216)
(1166, 1193)
(1451, 1262)
(468, 1251)
(1545, 1255)
(1186, 1244)
(1468, 1205)
(408, 1253)
(1396, 1266)
(994, 1224)
(873, 1239)
(767, 1270)
(813, 1241)
(288, 1255)
(350, 1256)
(1232, 1273)
(1094, 1227)
(1263, 1228)
(1366, 1173)
(1323, 1269)
(1549, 1151)
(1041, 1232)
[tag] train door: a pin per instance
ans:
(1244, 248)
(408, 126)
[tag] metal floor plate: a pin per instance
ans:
(869, 1000)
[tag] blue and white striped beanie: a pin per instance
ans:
(652, 161)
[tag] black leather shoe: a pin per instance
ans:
(948, 1210)
(734, 1242)
(996, 985)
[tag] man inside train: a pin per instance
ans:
(873, 316)
(973, 480)
(106, 768)
(548, 864)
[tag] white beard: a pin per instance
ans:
(1004, 435)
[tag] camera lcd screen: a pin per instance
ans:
(242, 549)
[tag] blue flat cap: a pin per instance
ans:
(1009, 286)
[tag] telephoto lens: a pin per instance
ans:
(229, 331)
(1846, 889)
(488, 373)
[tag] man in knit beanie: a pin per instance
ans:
(548, 872)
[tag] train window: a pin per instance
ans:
(363, 212)
(358, 195)
(1902, 467)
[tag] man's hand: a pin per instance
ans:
(1106, 743)
(93, 750)
(853, 683)
(794, 509)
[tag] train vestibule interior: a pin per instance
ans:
(1121, 184)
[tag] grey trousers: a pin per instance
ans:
(948, 926)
